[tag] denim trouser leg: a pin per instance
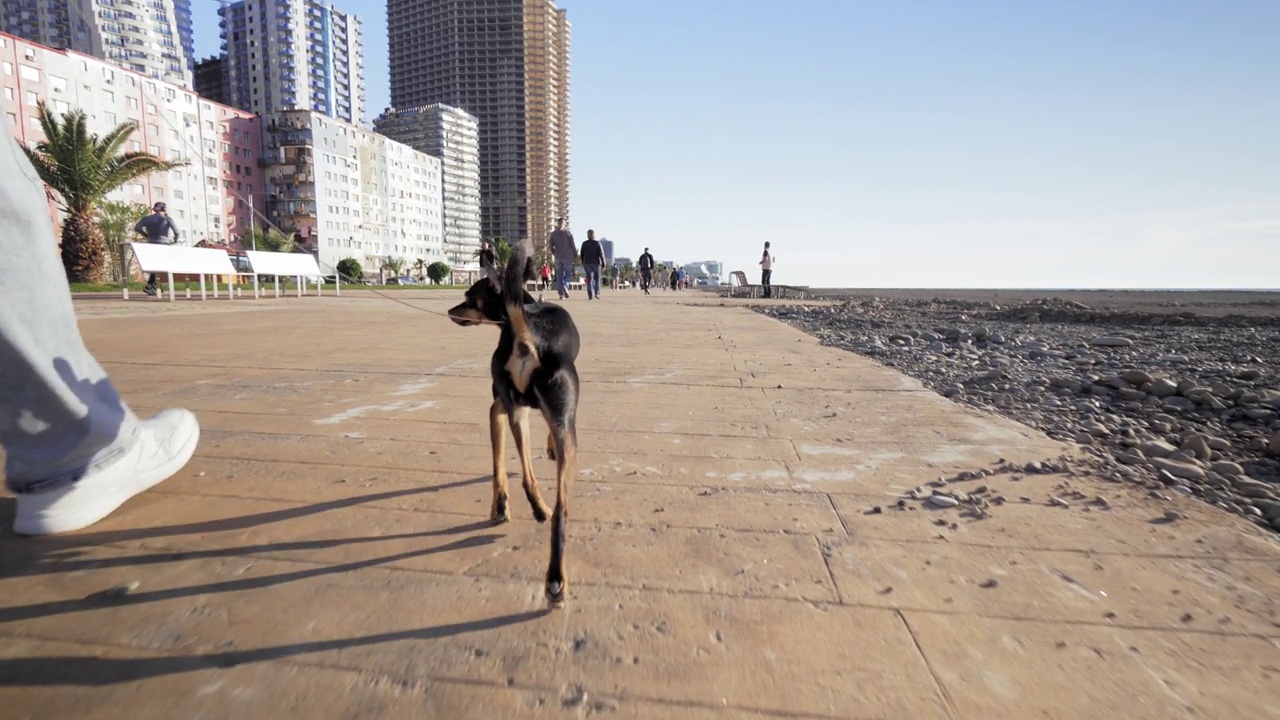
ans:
(593, 280)
(564, 270)
(59, 414)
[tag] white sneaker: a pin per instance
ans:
(165, 444)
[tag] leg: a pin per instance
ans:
(520, 428)
(74, 450)
(551, 446)
(560, 407)
(499, 510)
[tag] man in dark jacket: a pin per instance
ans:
(563, 250)
(156, 228)
(592, 261)
(646, 271)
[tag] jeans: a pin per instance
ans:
(646, 279)
(765, 277)
(564, 272)
(60, 417)
(593, 280)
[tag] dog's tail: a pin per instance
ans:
(524, 356)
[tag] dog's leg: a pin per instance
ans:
(551, 446)
(500, 510)
(566, 461)
(520, 429)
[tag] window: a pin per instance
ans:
(12, 118)
(153, 129)
(154, 150)
(110, 118)
(8, 68)
(151, 108)
(61, 107)
(177, 195)
(58, 84)
(110, 96)
(29, 73)
(135, 146)
(32, 98)
(9, 93)
(133, 103)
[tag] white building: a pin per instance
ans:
(349, 192)
(293, 55)
(152, 37)
(453, 135)
(209, 197)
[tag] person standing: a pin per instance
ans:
(546, 276)
(766, 271)
(592, 262)
(646, 271)
(156, 228)
(488, 261)
(74, 451)
(563, 250)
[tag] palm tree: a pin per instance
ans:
(82, 169)
(501, 252)
(420, 266)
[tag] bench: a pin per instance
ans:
(301, 266)
(738, 285)
(181, 260)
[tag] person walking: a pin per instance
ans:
(156, 228)
(766, 271)
(563, 250)
(592, 262)
(646, 270)
(74, 452)
(546, 276)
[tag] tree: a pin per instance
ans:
(268, 239)
(116, 220)
(420, 267)
(350, 269)
(438, 271)
(394, 264)
(82, 169)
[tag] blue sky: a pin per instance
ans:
(923, 144)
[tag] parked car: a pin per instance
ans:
(406, 280)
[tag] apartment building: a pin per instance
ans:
(209, 197)
(506, 62)
(451, 134)
(152, 37)
(349, 192)
(211, 80)
(293, 55)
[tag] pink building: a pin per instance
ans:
(209, 198)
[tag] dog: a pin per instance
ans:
(533, 367)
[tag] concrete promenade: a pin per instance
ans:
(327, 553)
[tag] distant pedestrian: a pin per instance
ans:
(564, 251)
(646, 271)
(546, 276)
(156, 228)
(766, 271)
(675, 279)
(488, 262)
(592, 262)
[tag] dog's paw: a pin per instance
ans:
(557, 594)
(501, 512)
(551, 453)
(541, 513)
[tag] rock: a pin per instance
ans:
(1270, 509)
(1273, 447)
(1136, 378)
(943, 501)
(1171, 516)
(1228, 468)
(1156, 449)
(1186, 471)
(1251, 488)
(1111, 341)
(1161, 388)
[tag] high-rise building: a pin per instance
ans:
(606, 248)
(211, 80)
(348, 192)
(293, 55)
(152, 37)
(451, 134)
(507, 63)
(209, 197)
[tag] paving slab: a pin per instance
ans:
(327, 552)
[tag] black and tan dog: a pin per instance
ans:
(533, 367)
